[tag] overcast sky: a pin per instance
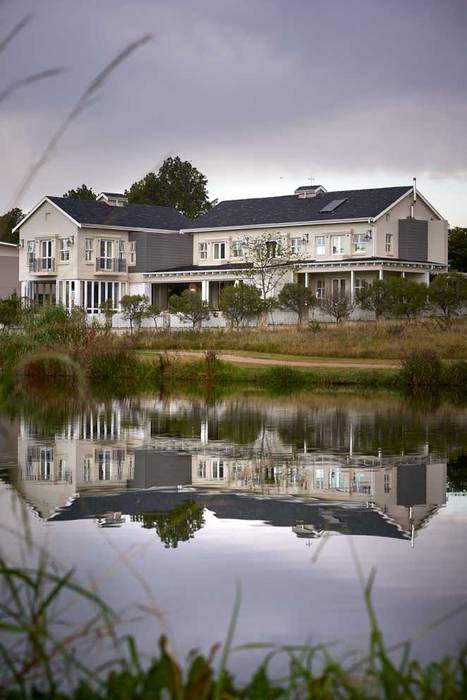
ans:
(258, 94)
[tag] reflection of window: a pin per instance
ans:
(87, 469)
(61, 469)
(219, 251)
(103, 458)
(203, 251)
(320, 245)
(45, 463)
(319, 478)
(217, 469)
(387, 482)
(202, 469)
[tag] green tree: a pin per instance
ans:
(190, 307)
(406, 297)
(10, 311)
(457, 249)
(240, 303)
(177, 525)
(374, 297)
(295, 297)
(133, 309)
(448, 293)
(152, 311)
(82, 192)
(107, 308)
(177, 184)
(338, 306)
(7, 223)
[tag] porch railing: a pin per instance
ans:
(110, 265)
(44, 265)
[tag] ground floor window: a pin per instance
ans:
(338, 288)
(320, 289)
(359, 284)
(94, 293)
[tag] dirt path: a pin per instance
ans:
(315, 362)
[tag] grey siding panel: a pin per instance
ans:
(160, 469)
(413, 239)
(160, 251)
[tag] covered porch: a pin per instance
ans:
(210, 285)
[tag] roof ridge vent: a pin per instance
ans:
(308, 191)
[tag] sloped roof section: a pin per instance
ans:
(89, 212)
(358, 204)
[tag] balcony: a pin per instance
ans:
(42, 266)
(110, 265)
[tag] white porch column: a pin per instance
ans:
(352, 285)
(403, 273)
(381, 275)
(427, 278)
(307, 279)
(205, 290)
(76, 298)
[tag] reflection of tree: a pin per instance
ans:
(457, 474)
(177, 525)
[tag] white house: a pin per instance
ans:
(85, 252)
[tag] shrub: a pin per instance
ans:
(283, 378)
(456, 375)
(422, 369)
(338, 306)
(240, 303)
(448, 293)
(189, 306)
(295, 297)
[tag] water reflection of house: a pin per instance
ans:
(89, 453)
(153, 444)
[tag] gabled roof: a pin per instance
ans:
(85, 212)
(112, 194)
(358, 204)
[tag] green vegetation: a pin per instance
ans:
(8, 222)
(297, 298)
(42, 658)
(190, 307)
(240, 304)
(176, 184)
(82, 192)
(457, 249)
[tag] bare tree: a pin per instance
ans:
(339, 306)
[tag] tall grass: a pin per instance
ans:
(41, 657)
(386, 340)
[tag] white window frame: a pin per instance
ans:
(338, 285)
(320, 288)
(359, 243)
(219, 249)
(65, 245)
(341, 240)
(203, 250)
(46, 261)
(106, 246)
(236, 249)
(359, 283)
(296, 244)
(388, 244)
(88, 249)
(320, 245)
(132, 259)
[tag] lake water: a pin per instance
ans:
(167, 505)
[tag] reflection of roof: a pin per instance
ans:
(322, 516)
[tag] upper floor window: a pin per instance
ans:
(46, 255)
(320, 245)
(272, 249)
(106, 251)
(296, 246)
(121, 249)
(219, 250)
(132, 260)
(31, 253)
(389, 243)
(65, 245)
(236, 249)
(88, 249)
(359, 242)
(338, 245)
(203, 251)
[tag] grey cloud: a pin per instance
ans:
(342, 87)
